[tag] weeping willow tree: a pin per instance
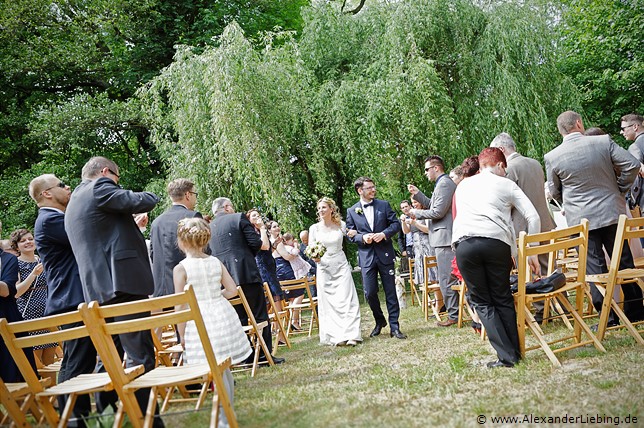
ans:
(282, 124)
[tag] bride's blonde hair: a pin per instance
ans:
(335, 213)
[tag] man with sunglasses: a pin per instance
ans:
(111, 253)
(64, 288)
(440, 231)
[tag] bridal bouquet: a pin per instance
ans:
(315, 250)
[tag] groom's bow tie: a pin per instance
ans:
(367, 205)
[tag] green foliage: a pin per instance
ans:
(601, 43)
(368, 94)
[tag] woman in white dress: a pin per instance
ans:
(338, 305)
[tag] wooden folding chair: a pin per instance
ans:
(627, 228)
(413, 287)
(254, 331)
(98, 321)
(17, 399)
(277, 318)
(309, 304)
(82, 384)
(430, 289)
(556, 240)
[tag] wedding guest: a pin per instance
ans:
(235, 242)
(285, 271)
(5, 244)
(581, 177)
(338, 305)
(484, 242)
(9, 309)
(266, 263)
(111, 253)
(439, 212)
(164, 252)
(456, 174)
(207, 275)
(304, 242)
(64, 288)
(31, 288)
(298, 264)
(419, 230)
(405, 239)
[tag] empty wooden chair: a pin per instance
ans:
(308, 305)
(413, 287)
(531, 245)
(430, 290)
(82, 384)
(98, 320)
(277, 318)
(254, 331)
(627, 228)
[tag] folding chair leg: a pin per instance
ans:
(580, 322)
(536, 331)
(67, 412)
(120, 415)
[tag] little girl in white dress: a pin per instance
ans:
(207, 274)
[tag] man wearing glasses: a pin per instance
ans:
(111, 253)
(440, 231)
(164, 252)
(64, 288)
(632, 130)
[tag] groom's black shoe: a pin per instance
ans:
(377, 329)
(398, 334)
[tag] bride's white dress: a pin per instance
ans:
(338, 305)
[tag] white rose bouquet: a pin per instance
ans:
(315, 250)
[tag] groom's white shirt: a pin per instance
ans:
(368, 212)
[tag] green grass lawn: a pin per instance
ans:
(437, 377)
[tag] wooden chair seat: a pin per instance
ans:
(552, 243)
(93, 382)
(102, 325)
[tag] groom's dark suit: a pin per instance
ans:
(377, 257)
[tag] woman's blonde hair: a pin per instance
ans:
(335, 213)
(193, 233)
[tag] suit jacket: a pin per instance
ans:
(64, 287)
(164, 252)
(439, 212)
(581, 174)
(235, 242)
(384, 220)
(528, 175)
(109, 248)
(637, 150)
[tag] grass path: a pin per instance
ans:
(437, 377)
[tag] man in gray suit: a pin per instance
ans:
(581, 174)
(111, 253)
(440, 230)
(528, 174)
(164, 252)
(632, 129)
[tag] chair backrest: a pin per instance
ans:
(240, 299)
(627, 228)
(97, 318)
(429, 262)
(552, 243)
(296, 284)
(16, 338)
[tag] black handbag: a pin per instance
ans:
(543, 285)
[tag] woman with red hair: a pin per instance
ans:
(483, 237)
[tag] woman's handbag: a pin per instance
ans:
(542, 285)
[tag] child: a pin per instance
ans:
(207, 274)
(300, 266)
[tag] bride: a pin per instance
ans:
(338, 306)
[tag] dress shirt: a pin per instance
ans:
(368, 212)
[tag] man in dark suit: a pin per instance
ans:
(440, 230)
(235, 242)
(164, 252)
(111, 253)
(581, 175)
(64, 288)
(372, 224)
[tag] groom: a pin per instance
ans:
(371, 224)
